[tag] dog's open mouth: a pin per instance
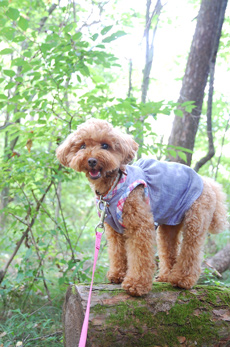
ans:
(95, 174)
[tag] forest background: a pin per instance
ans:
(63, 62)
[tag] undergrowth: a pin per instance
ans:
(36, 322)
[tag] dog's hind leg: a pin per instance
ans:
(117, 255)
(186, 271)
(168, 242)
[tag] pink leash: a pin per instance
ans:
(84, 329)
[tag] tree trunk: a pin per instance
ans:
(207, 33)
(165, 317)
(149, 44)
(149, 35)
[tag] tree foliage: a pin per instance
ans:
(55, 74)
(57, 69)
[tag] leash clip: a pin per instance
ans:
(101, 208)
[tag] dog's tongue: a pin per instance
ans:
(94, 173)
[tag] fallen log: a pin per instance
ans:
(221, 260)
(167, 316)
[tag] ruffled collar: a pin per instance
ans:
(113, 191)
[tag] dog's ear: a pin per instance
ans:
(128, 148)
(63, 151)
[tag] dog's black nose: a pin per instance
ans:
(92, 162)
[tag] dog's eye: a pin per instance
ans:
(104, 146)
(83, 146)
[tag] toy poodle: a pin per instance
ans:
(170, 194)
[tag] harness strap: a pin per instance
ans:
(84, 330)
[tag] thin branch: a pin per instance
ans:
(57, 115)
(130, 77)
(41, 307)
(37, 273)
(74, 11)
(222, 145)
(40, 264)
(85, 224)
(19, 219)
(41, 337)
(2, 127)
(44, 19)
(66, 234)
(149, 52)
(63, 219)
(214, 271)
(149, 46)
(25, 234)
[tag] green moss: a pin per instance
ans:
(189, 316)
(112, 293)
(179, 321)
(163, 287)
(218, 295)
(74, 291)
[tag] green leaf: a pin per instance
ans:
(12, 13)
(46, 47)
(27, 54)
(15, 98)
(77, 36)
(94, 37)
(17, 62)
(10, 85)
(184, 149)
(10, 107)
(26, 67)
(179, 113)
(189, 108)
(53, 232)
(186, 103)
(172, 153)
(61, 280)
(84, 71)
(6, 51)
(19, 79)
(3, 3)
(100, 46)
(98, 79)
(182, 155)
(3, 21)
(9, 73)
(23, 23)
(3, 97)
(166, 111)
(19, 38)
(8, 32)
(105, 30)
(114, 36)
(69, 27)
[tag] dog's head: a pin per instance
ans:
(96, 149)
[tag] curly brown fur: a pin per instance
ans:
(100, 151)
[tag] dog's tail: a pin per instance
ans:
(219, 221)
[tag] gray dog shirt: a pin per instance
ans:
(170, 189)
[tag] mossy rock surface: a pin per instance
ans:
(165, 317)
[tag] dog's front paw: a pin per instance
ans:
(136, 287)
(115, 276)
